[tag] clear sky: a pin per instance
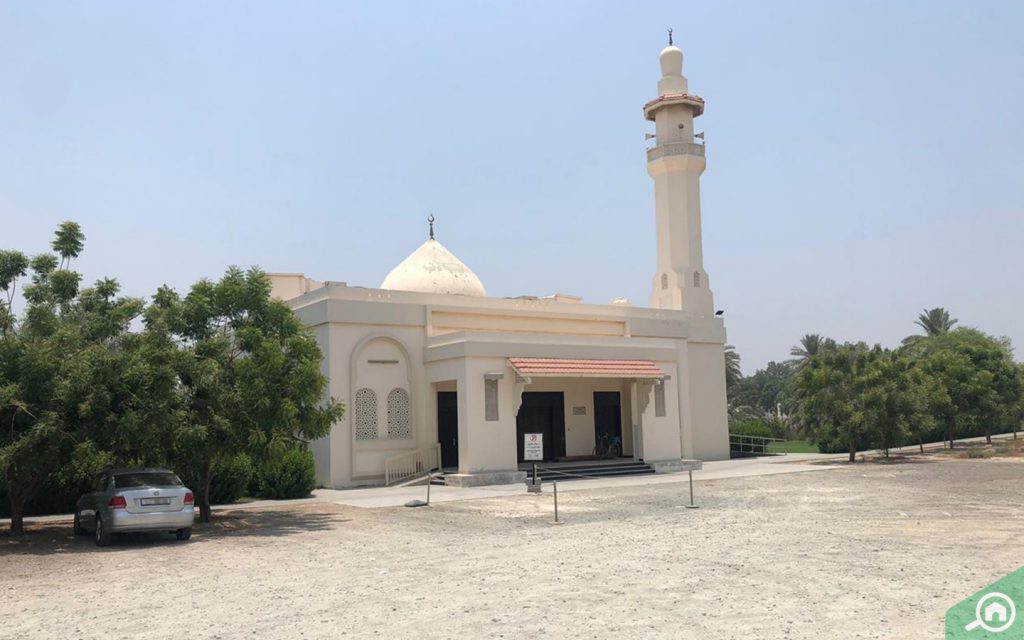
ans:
(865, 159)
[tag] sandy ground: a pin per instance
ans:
(869, 551)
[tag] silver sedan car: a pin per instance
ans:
(126, 500)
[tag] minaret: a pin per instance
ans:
(675, 163)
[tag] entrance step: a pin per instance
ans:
(581, 471)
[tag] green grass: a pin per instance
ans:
(793, 446)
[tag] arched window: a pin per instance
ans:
(399, 418)
(696, 279)
(664, 281)
(366, 414)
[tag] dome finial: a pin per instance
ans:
(430, 221)
(670, 36)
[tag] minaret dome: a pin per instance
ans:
(671, 61)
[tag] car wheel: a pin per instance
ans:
(79, 531)
(102, 535)
(184, 534)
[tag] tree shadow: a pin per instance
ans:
(50, 538)
(877, 460)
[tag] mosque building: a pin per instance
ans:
(434, 373)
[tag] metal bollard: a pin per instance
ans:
(420, 503)
(554, 488)
(691, 505)
(533, 486)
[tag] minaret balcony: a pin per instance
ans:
(675, 149)
(694, 102)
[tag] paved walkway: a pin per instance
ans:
(378, 497)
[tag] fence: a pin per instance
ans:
(741, 445)
(413, 463)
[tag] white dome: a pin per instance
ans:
(671, 60)
(434, 269)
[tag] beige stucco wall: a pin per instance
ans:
(708, 417)
(353, 325)
(658, 435)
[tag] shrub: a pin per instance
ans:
(61, 491)
(750, 428)
(288, 475)
(231, 479)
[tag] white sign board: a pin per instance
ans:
(533, 446)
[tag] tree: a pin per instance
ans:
(54, 366)
(733, 374)
(811, 345)
(896, 402)
(249, 371)
(981, 385)
(68, 243)
(832, 386)
(935, 321)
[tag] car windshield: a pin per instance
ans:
(146, 479)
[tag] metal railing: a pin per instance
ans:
(745, 445)
(412, 463)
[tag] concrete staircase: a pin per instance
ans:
(583, 470)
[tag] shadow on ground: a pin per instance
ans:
(893, 459)
(56, 537)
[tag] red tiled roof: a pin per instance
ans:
(568, 368)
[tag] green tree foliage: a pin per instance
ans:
(250, 375)
(288, 475)
(68, 243)
(733, 373)
(980, 387)
(832, 386)
(766, 389)
(231, 480)
(953, 383)
(69, 376)
(895, 398)
(224, 374)
(935, 321)
(811, 345)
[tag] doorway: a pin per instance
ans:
(448, 427)
(608, 418)
(542, 412)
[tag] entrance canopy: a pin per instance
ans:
(569, 368)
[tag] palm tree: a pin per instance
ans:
(733, 374)
(810, 345)
(935, 321)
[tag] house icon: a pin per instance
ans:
(996, 612)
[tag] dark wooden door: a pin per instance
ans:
(448, 427)
(542, 412)
(608, 417)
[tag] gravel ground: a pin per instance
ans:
(869, 551)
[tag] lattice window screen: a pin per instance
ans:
(399, 414)
(366, 414)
